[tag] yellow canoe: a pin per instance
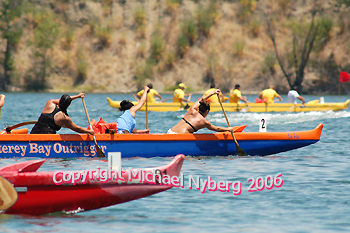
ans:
(250, 107)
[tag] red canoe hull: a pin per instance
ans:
(39, 194)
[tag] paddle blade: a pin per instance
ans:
(240, 151)
(98, 150)
(8, 194)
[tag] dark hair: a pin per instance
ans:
(125, 105)
(150, 85)
(237, 85)
(64, 103)
(212, 85)
(295, 88)
(203, 107)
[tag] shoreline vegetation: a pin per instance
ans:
(118, 46)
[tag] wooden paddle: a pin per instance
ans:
(240, 151)
(167, 99)
(146, 112)
(245, 109)
(98, 149)
(187, 106)
(8, 129)
(8, 194)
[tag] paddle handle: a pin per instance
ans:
(87, 117)
(98, 149)
(146, 111)
(223, 110)
(240, 151)
(86, 112)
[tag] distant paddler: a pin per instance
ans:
(236, 95)
(55, 115)
(293, 95)
(151, 94)
(179, 94)
(270, 94)
(194, 119)
(213, 98)
(126, 122)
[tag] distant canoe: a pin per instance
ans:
(37, 192)
(155, 145)
(250, 107)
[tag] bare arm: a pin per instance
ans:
(55, 101)
(159, 96)
(185, 100)
(243, 98)
(140, 131)
(279, 97)
(302, 99)
(80, 95)
(68, 123)
(209, 126)
(141, 102)
(196, 104)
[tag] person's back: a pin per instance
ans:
(194, 119)
(178, 95)
(54, 116)
(150, 95)
(46, 123)
(126, 122)
(293, 95)
(234, 96)
(270, 94)
(213, 98)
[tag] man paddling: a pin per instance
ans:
(194, 119)
(213, 98)
(270, 94)
(293, 95)
(179, 94)
(150, 95)
(236, 95)
(54, 116)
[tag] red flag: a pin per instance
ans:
(344, 77)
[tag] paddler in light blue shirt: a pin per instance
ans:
(126, 122)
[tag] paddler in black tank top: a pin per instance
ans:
(194, 119)
(54, 116)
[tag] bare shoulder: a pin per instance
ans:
(206, 122)
(62, 119)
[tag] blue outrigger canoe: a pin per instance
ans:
(155, 145)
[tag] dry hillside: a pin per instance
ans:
(118, 46)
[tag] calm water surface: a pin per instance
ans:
(314, 197)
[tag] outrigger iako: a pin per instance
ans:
(27, 191)
(154, 145)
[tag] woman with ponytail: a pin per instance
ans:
(126, 122)
(55, 115)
